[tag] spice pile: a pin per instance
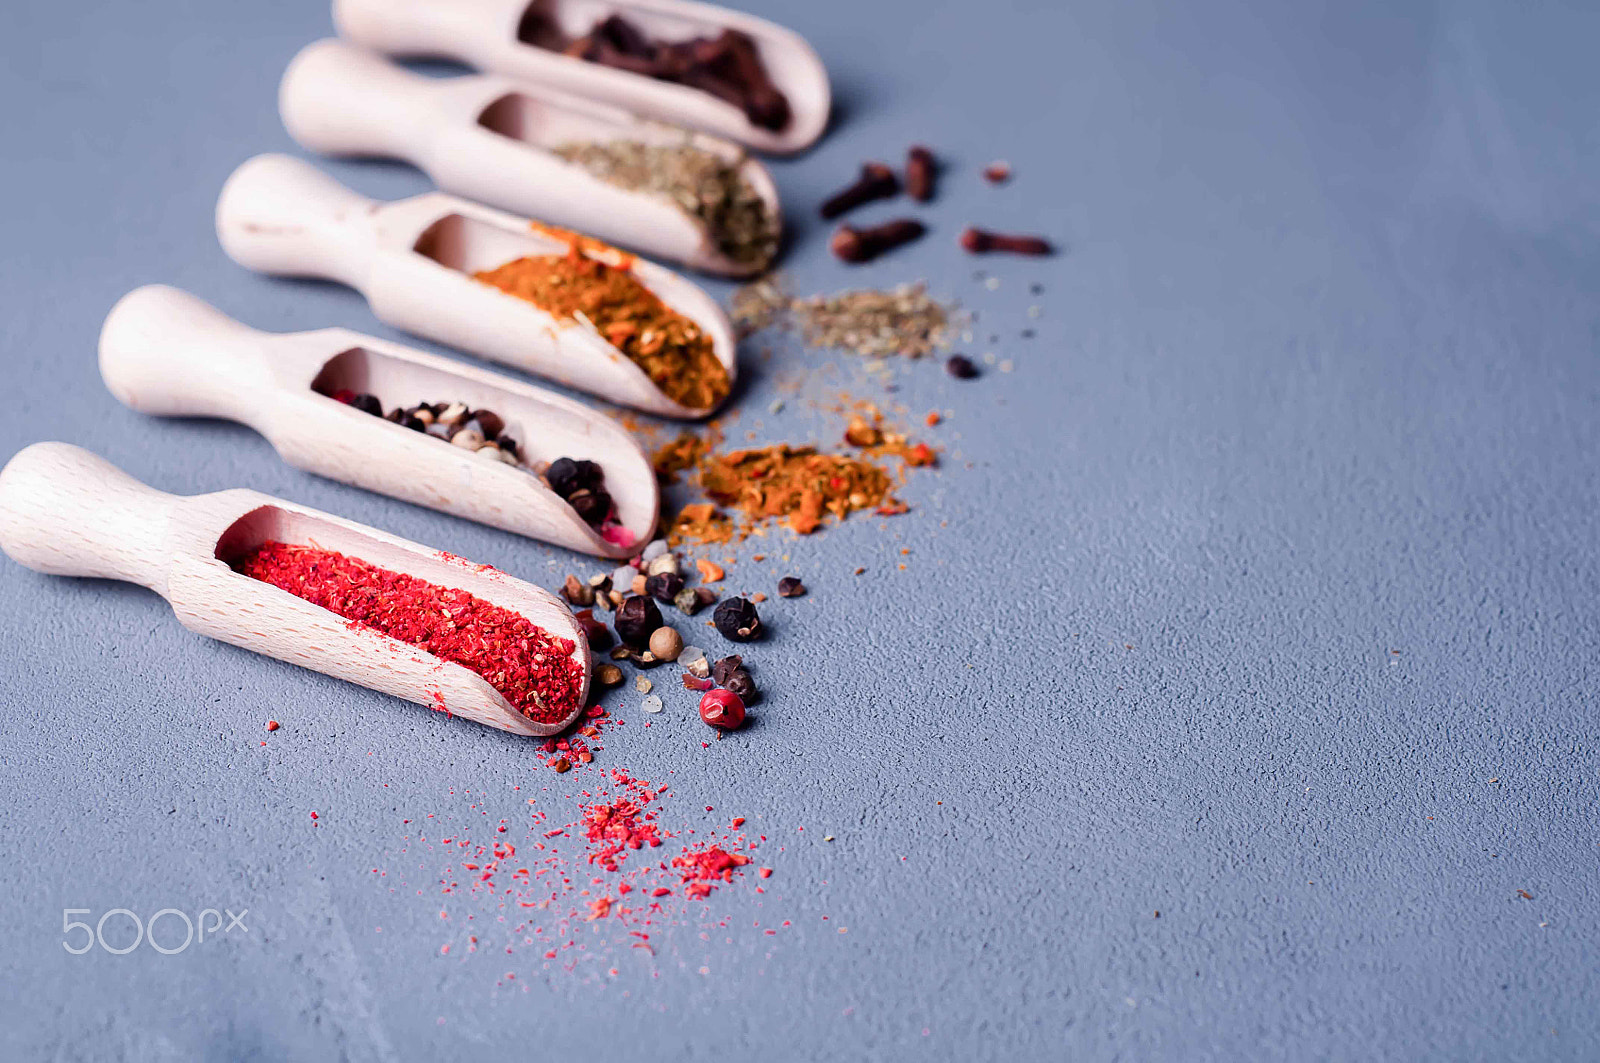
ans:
(873, 324)
(673, 351)
(705, 186)
(727, 66)
(582, 485)
(796, 485)
(480, 431)
(534, 670)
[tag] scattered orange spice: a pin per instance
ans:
(710, 571)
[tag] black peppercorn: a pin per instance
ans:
(790, 587)
(744, 686)
(593, 506)
(961, 367)
(566, 476)
(397, 415)
(664, 587)
(636, 618)
(598, 635)
(721, 670)
(731, 674)
(368, 404)
(507, 444)
(737, 620)
(489, 423)
(413, 423)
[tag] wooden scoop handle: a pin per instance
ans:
(68, 512)
(336, 99)
(165, 352)
(280, 215)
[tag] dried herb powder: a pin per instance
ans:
(531, 668)
(671, 349)
(702, 184)
(903, 321)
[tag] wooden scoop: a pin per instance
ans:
(68, 512)
(414, 260)
(484, 34)
(493, 140)
(165, 352)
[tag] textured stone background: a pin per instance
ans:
(1262, 593)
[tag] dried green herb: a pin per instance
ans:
(903, 321)
(699, 182)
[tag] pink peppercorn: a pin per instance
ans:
(722, 708)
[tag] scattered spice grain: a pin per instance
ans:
(791, 587)
(873, 324)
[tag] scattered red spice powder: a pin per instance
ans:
(702, 869)
(533, 669)
(566, 897)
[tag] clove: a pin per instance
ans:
(863, 245)
(920, 169)
(981, 241)
(877, 181)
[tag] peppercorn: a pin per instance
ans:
(637, 619)
(666, 643)
(961, 367)
(722, 708)
(742, 684)
(593, 506)
(790, 587)
(731, 673)
(736, 619)
(414, 423)
(598, 635)
(687, 601)
(577, 592)
(608, 675)
(367, 404)
(507, 444)
(566, 476)
(664, 587)
(489, 422)
(638, 658)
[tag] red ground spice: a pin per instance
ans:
(577, 889)
(533, 669)
(702, 869)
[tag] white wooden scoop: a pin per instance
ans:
(493, 140)
(483, 33)
(68, 512)
(165, 352)
(414, 259)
